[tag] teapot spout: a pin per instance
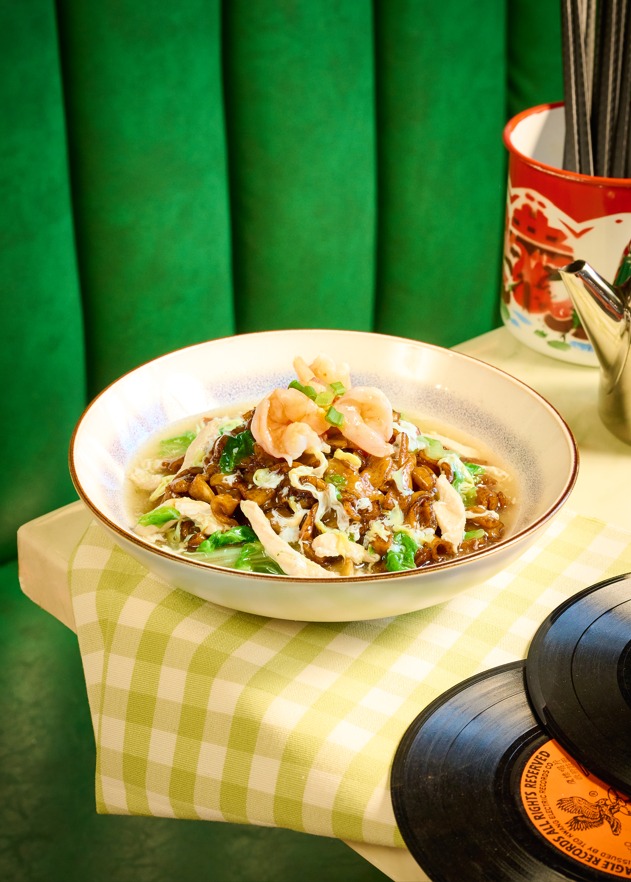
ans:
(602, 310)
(604, 313)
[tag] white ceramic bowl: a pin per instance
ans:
(503, 413)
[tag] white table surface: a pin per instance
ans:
(601, 491)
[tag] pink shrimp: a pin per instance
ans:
(286, 423)
(367, 422)
(322, 372)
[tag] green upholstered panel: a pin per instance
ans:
(440, 111)
(300, 111)
(41, 356)
(148, 168)
(534, 67)
(173, 173)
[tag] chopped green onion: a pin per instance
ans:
(237, 448)
(474, 534)
(159, 516)
(176, 446)
(309, 391)
(338, 387)
(233, 536)
(324, 399)
(338, 480)
(400, 555)
(334, 417)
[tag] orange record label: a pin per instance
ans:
(577, 813)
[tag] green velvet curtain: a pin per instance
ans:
(177, 172)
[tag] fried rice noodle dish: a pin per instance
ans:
(321, 479)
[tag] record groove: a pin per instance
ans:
(578, 678)
(481, 793)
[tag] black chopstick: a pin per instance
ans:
(605, 89)
(577, 154)
(621, 164)
(588, 13)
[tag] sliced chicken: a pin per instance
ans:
(291, 562)
(450, 513)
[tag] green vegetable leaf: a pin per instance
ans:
(159, 516)
(309, 391)
(236, 449)
(233, 536)
(158, 493)
(254, 559)
(230, 425)
(400, 555)
(467, 486)
(474, 534)
(463, 478)
(245, 555)
(173, 447)
(432, 447)
(475, 468)
(334, 417)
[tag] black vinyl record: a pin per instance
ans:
(578, 678)
(481, 793)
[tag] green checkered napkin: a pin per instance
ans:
(202, 712)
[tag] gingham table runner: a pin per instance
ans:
(202, 712)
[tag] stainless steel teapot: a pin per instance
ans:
(605, 312)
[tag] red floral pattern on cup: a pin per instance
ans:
(533, 253)
(552, 218)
